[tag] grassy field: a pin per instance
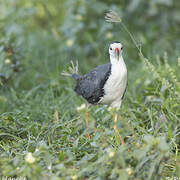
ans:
(45, 135)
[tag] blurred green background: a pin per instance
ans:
(38, 39)
(48, 34)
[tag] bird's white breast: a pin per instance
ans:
(115, 85)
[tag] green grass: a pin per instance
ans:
(38, 115)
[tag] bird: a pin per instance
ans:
(105, 84)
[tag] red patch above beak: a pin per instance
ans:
(117, 51)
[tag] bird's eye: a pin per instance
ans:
(121, 48)
(110, 48)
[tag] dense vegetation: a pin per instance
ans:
(44, 134)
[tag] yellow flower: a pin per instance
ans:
(110, 108)
(109, 35)
(36, 150)
(7, 61)
(81, 108)
(111, 153)
(138, 145)
(79, 17)
(129, 171)
(69, 42)
(29, 158)
(49, 167)
(74, 177)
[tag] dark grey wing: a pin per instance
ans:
(91, 85)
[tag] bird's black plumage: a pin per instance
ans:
(91, 85)
(115, 42)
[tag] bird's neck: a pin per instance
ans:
(115, 61)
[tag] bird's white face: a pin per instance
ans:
(115, 50)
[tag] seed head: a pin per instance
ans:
(113, 17)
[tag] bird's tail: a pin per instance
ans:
(72, 70)
(76, 76)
